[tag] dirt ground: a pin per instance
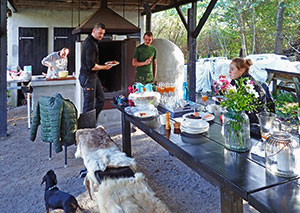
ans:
(23, 164)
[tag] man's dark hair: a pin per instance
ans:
(99, 25)
(148, 33)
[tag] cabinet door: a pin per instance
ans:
(63, 38)
(33, 47)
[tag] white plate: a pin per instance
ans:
(204, 116)
(111, 63)
(218, 98)
(201, 124)
(144, 114)
(193, 131)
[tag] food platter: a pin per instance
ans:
(144, 114)
(192, 116)
(112, 63)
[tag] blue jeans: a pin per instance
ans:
(93, 93)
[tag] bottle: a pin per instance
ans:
(168, 124)
(185, 91)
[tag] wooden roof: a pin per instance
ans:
(155, 5)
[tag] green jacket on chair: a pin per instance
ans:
(58, 119)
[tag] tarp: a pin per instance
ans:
(209, 69)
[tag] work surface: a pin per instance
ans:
(239, 175)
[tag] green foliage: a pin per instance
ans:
(221, 36)
(286, 106)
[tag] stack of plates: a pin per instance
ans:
(195, 127)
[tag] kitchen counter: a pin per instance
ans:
(41, 87)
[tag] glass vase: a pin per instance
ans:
(237, 131)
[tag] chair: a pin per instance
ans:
(58, 119)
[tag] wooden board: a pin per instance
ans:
(59, 79)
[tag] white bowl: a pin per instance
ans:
(145, 98)
(63, 74)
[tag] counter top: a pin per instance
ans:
(41, 81)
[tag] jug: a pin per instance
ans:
(149, 87)
(268, 123)
(139, 87)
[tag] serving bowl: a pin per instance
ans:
(63, 74)
(145, 98)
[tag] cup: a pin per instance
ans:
(162, 119)
(149, 87)
(211, 108)
(176, 125)
(268, 124)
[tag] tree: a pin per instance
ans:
(279, 26)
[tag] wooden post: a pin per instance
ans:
(230, 201)
(3, 64)
(192, 46)
(148, 17)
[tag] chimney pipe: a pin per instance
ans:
(103, 3)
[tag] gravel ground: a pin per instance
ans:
(23, 164)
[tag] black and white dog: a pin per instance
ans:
(56, 199)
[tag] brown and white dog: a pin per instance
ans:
(99, 152)
(56, 199)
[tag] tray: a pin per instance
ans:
(178, 112)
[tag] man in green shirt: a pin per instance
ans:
(144, 59)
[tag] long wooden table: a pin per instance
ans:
(239, 175)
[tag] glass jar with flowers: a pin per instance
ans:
(237, 100)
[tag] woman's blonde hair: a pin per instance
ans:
(242, 63)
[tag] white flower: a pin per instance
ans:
(231, 89)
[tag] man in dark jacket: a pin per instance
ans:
(92, 88)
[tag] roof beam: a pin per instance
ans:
(11, 6)
(182, 17)
(159, 8)
(204, 17)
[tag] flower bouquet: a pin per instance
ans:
(238, 99)
(221, 85)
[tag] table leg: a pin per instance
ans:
(274, 87)
(126, 135)
(297, 87)
(28, 111)
(230, 201)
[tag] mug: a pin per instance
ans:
(139, 87)
(149, 87)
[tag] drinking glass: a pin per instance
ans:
(204, 99)
(268, 123)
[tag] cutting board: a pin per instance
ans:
(59, 79)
